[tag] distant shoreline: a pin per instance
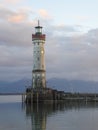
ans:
(10, 94)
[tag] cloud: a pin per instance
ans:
(73, 57)
(13, 25)
(70, 52)
(44, 14)
(15, 35)
(17, 18)
(82, 18)
(13, 16)
(11, 1)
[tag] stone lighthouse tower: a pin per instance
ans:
(39, 71)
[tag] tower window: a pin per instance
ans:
(42, 66)
(34, 66)
(38, 58)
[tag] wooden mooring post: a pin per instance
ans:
(37, 95)
(23, 97)
(31, 97)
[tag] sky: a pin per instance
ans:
(71, 48)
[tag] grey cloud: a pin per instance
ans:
(92, 36)
(66, 28)
(5, 13)
(15, 57)
(15, 35)
(66, 56)
(74, 57)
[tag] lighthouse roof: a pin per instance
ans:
(38, 25)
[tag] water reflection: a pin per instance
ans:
(40, 112)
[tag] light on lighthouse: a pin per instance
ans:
(39, 71)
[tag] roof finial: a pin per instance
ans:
(38, 22)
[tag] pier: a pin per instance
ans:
(51, 95)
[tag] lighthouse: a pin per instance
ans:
(39, 92)
(39, 70)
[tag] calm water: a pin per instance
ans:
(70, 116)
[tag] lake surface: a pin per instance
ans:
(15, 115)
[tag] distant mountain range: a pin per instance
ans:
(80, 86)
(13, 87)
(55, 83)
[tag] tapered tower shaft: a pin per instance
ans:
(39, 70)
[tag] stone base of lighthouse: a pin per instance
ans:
(46, 95)
(38, 79)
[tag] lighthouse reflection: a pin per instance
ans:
(38, 115)
(40, 112)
